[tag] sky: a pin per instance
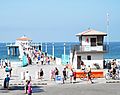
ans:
(57, 20)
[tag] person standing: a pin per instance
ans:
(27, 77)
(24, 60)
(71, 75)
(52, 74)
(10, 69)
(26, 86)
(42, 60)
(6, 82)
(64, 75)
(29, 91)
(41, 73)
(89, 74)
(56, 72)
(7, 70)
(48, 61)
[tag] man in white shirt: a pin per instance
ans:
(27, 77)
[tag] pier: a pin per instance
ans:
(52, 49)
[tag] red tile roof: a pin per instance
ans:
(91, 32)
(24, 39)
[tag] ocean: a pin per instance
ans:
(114, 50)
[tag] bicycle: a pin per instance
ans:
(84, 76)
(109, 76)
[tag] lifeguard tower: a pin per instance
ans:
(23, 43)
(90, 50)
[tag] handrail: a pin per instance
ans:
(84, 48)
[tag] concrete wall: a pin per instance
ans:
(95, 58)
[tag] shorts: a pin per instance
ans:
(7, 84)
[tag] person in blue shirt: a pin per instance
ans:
(24, 60)
(6, 82)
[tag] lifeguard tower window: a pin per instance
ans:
(88, 57)
(93, 41)
(78, 62)
(99, 40)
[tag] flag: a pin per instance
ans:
(87, 40)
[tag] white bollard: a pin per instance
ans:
(22, 75)
(36, 75)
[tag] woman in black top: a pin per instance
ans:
(41, 73)
(56, 71)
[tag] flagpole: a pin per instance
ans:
(107, 29)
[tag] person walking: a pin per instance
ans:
(26, 86)
(71, 75)
(10, 69)
(27, 77)
(42, 60)
(29, 88)
(64, 75)
(6, 82)
(56, 72)
(41, 73)
(52, 74)
(89, 74)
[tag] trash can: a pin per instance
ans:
(58, 79)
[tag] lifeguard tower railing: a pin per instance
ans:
(88, 48)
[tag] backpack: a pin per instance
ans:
(7, 69)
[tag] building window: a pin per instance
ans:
(99, 40)
(88, 57)
(93, 41)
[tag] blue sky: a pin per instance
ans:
(57, 20)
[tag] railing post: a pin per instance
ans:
(8, 50)
(64, 50)
(53, 50)
(46, 48)
(41, 46)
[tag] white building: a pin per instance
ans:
(90, 50)
(22, 44)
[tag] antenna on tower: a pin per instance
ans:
(107, 28)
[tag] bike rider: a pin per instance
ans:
(113, 69)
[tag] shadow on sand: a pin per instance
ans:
(35, 89)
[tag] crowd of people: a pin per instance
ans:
(36, 56)
(6, 64)
(113, 68)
